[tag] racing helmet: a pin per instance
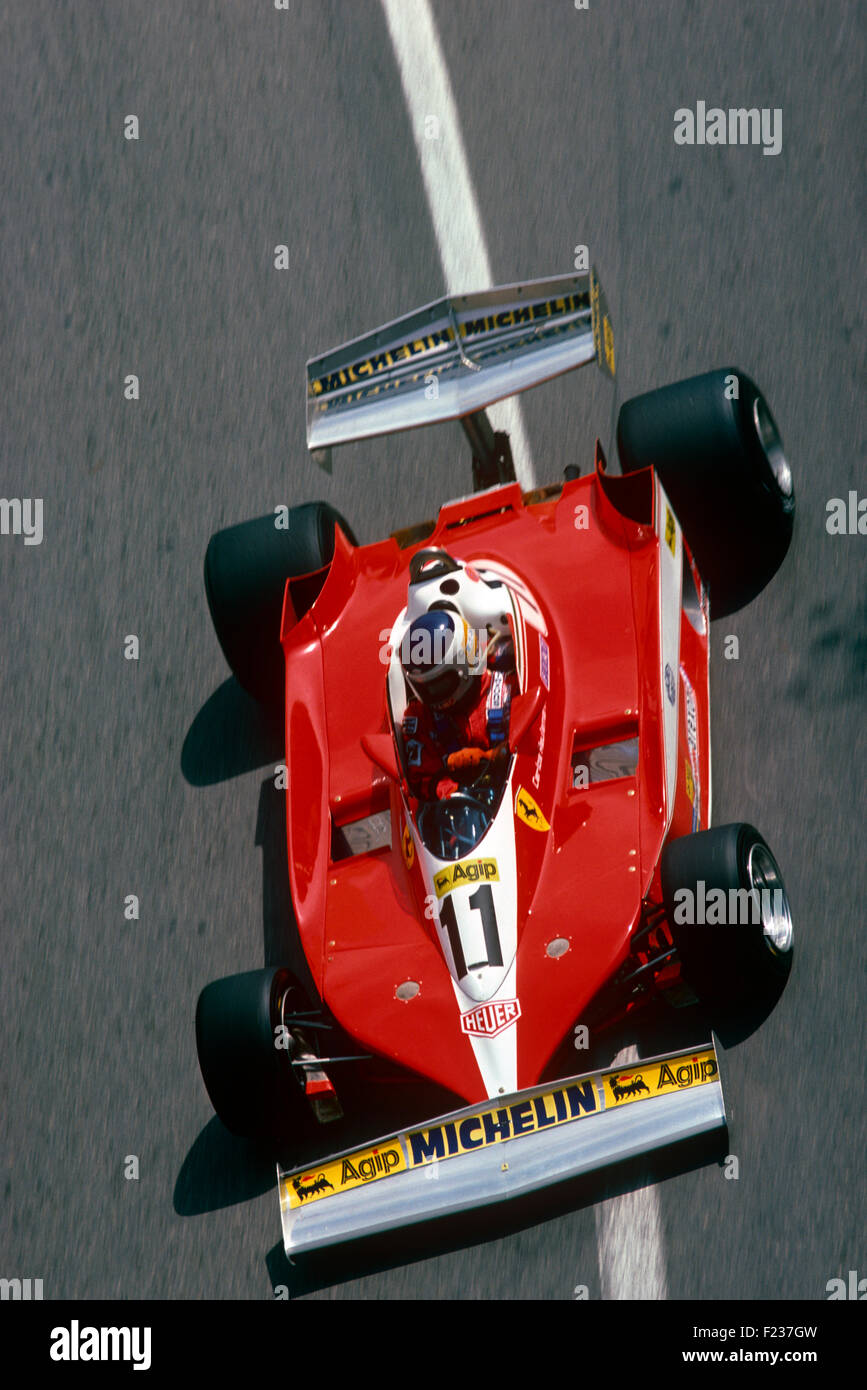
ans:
(440, 657)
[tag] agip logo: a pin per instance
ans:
(648, 1079)
(627, 1087)
(490, 1019)
(338, 1175)
(463, 874)
(373, 1163)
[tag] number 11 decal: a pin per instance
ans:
(481, 901)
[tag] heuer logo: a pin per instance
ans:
(490, 1019)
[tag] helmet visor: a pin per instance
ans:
(442, 686)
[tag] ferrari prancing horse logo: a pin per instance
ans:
(407, 845)
(529, 811)
(670, 531)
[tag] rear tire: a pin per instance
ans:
(733, 965)
(722, 465)
(246, 568)
(248, 1079)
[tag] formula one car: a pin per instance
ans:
(569, 875)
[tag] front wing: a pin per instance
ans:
(502, 1149)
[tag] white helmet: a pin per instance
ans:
(440, 658)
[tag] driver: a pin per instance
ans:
(457, 721)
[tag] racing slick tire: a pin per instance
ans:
(735, 947)
(246, 568)
(249, 1079)
(722, 464)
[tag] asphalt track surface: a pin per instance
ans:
(156, 257)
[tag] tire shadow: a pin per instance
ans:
(220, 1171)
(231, 734)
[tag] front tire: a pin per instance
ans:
(716, 447)
(246, 568)
(248, 1079)
(734, 965)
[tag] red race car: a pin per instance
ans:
(498, 780)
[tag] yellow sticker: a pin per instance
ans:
(529, 811)
(608, 338)
(462, 875)
(670, 531)
(690, 781)
(641, 1082)
(341, 1174)
(407, 844)
(594, 311)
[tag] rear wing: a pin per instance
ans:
(451, 359)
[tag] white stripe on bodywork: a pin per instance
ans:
(670, 581)
(497, 1057)
(498, 844)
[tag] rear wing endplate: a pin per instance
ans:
(452, 358)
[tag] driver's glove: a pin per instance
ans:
(466, 757)
(474, 757)
(446, 787)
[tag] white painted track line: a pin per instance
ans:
(629, 1235)
(448, 186)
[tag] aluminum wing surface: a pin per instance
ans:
(502, 1149)
(456, 356)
